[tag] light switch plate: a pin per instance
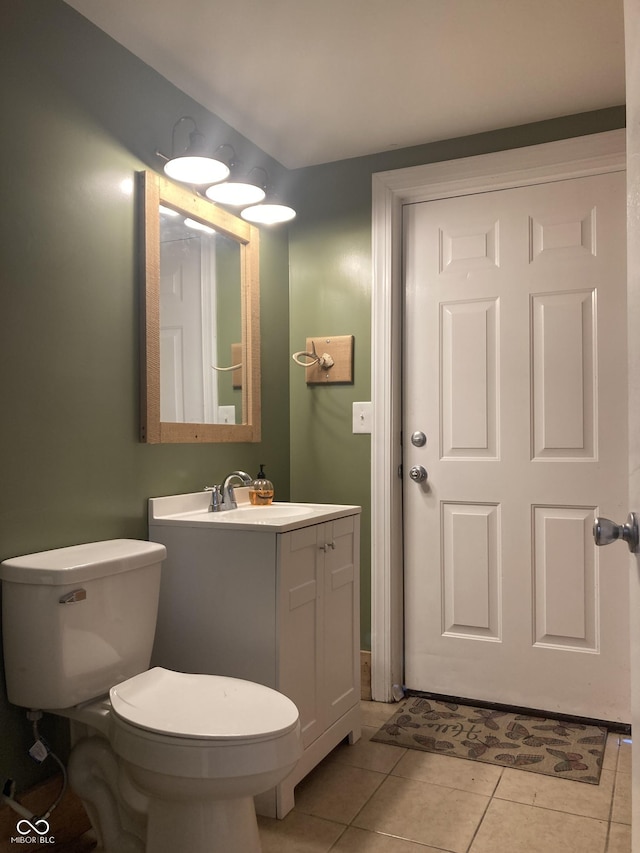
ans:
(362, 417)
(226, 414)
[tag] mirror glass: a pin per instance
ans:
(201, 308)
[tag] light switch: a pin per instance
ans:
(362, 417)
(226, 414)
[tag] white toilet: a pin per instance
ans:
(167, 761)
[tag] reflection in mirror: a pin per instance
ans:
(201, 378)
(200, 317)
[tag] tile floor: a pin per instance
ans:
(375, 798)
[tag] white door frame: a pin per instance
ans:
(570, 158)
(632, 65)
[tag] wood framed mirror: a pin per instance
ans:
(200, 312)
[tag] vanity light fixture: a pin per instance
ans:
(250, 193)
(195, 165)
(268, 213)
(239, 191)
(226, 183)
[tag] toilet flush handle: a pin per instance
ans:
(73, 596)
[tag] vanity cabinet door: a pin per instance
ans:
(318, 663)
(300, 627)
(341, 623)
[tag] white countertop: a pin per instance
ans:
(192, 510)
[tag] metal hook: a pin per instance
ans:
(324, 361)
(223, 369)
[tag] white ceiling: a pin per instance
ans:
(312, 81)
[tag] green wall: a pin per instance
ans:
(80, 116)
(330, 294)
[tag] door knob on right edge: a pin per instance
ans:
(606, 531)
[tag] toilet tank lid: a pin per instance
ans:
(79, 563)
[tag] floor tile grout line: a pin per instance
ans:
(499, 779)
(616, 780)
(375, 790)
(613, 795)
(335, 843)
(554, 811)
(608, 835)
(397, 837)
(402, 749)
(606, 820)
(617, 753)
(480, 822)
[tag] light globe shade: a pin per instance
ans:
(235, 193)
(196, 170)
(268, 214)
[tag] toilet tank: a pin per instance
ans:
(76, 621)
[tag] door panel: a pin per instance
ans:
(471, 570)
(515, 369)
(564, 578)
(563, 374)
(468, 331)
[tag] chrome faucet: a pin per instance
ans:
(223, 497)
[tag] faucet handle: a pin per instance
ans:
(216, 498)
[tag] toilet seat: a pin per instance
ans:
(206, 707)
(202, 726)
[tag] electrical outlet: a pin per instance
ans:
(362, 417)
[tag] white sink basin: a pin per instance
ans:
(249, 514)
(263, 513)
(193, 510)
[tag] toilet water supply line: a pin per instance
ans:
(39, 752)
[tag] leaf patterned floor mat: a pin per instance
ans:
(567, 750)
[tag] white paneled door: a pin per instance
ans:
(515, 372)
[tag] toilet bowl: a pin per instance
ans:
(199, 748)
(170, 761)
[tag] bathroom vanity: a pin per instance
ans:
(269, 594)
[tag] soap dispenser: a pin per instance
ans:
(261, 490)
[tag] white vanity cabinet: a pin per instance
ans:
(273, 603)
